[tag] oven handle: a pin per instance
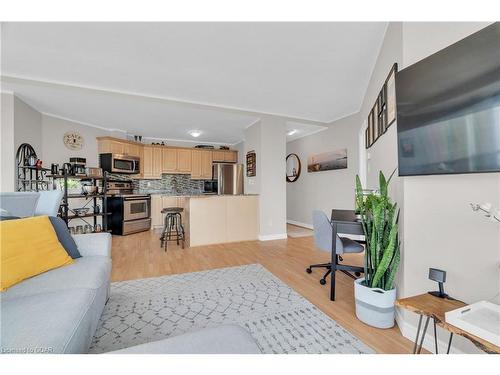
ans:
(137, 199)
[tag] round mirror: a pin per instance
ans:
(293, 167)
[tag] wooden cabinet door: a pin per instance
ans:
(117, 147)
(169, 201)
(206, 165)
(156, 207)
(218, 155)
(132, 150)
(169, 159)
(157, 162)
(196, 164)
(231, 156)
(147, 162)
(184, 161)
(103, 146)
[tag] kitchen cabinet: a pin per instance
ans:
(227, 156)
(206, 165)
(155, 160)
(169, 160)
(156, 207)
(152, 162)
(131, 149)
(218, 155)
(201, 165)
(116, 146)
(158, 203)
(183, 160)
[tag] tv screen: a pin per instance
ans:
(448, 109)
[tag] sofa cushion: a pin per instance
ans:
(227, 339)
(29, 247)
(86, 272)
(22, 204)
(57, 322)
(64, 237)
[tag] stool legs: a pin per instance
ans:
(173, 230)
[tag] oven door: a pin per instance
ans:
(125, 164)
(136, 208)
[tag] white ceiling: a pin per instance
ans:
(163, 79)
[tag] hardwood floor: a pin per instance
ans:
(140, 256)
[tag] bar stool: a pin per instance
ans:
(173, 230)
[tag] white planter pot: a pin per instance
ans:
(374, 306)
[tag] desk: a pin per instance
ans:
(343, 222)
(434, 307)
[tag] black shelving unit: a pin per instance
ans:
(31, 178)
(68, 214)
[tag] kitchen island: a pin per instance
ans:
(212, 219)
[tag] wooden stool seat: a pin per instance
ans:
(172, 209)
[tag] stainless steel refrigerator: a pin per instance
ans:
(229, 178)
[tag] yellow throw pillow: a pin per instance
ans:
(28, 247)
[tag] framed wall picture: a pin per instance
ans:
(390, 90)
(376, 123)
(251, 164)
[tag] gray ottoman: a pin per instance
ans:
(229, 339)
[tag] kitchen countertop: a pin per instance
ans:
(200, 195)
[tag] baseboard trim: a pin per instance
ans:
(270, 237)
(410, 331)
(299, 224)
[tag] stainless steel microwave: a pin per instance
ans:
(117, 163)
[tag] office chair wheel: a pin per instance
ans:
(358, 274)
(322, 281)
(308, 270)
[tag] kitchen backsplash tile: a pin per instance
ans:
(170, 184)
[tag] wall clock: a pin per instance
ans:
(73, 140)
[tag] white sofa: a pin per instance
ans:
(58, 311)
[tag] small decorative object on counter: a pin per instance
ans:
(79, 229)
(98, 228)
(88, 228)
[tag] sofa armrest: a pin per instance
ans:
(93, 244)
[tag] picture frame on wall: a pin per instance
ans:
(390, 96)
(376, 123)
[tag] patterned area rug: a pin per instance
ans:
(280, 320)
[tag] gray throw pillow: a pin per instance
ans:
(64, 237)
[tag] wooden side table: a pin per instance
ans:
(434, 307)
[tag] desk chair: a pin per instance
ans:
(323, 238)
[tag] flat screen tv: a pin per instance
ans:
(448, 109)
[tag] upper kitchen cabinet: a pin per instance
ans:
(169, 160)
(117, 146)
(201, 165)
(152, 162)
(183, 160)
(227, 156)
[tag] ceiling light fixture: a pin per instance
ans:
(195, 133)
(291, 132)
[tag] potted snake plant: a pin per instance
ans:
(375, 294)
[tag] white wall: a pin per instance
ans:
(28, 126)
(328, 189)
(253, 143)
(7, 151)
(272, 173)
(54, 150)
(268, 139)
(440, 228)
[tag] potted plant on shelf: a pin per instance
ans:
(375, 294)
